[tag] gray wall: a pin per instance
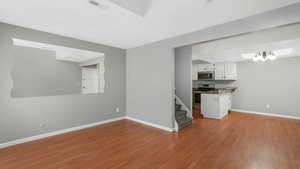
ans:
(20, 118)
(183, 78)
(36, 72)
(276, 83)
(150, 68)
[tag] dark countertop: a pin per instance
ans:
(217, 90)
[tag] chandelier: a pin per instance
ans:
(264, 56)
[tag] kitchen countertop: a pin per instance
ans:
(217, 90)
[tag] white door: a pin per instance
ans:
(90, 80)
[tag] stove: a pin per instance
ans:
(205, 87)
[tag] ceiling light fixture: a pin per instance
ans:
(264, 56)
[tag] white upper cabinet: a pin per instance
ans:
(195, 72)
(206, 67)
(225, 71)
(219, 71)
(201, 68)
(230, 71)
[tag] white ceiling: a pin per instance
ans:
(139, 7)
(231, 49)
(235, 55)
(132, 23)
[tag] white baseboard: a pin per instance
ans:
(266, 114)
(28, 139)
(151, 124)
(214, 116)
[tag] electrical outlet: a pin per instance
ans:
(117, 110)
(268, 106)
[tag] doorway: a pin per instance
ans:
(90, 79)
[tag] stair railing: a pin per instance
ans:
(189, 112)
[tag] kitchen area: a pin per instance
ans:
(241, 74)
(212, 90)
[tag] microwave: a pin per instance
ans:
(206, 75)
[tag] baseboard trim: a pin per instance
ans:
(266, 114)
(150, 124)
(41, 136)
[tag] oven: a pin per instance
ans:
(196, 98)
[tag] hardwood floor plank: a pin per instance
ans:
(239, 141)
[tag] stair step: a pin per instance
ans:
(180, 114)
(177, 107)
(185, 122)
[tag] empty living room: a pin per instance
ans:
(150, 84)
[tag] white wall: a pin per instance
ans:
(150, 68)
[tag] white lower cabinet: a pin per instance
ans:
(215, 106)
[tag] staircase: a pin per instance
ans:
(181, 117)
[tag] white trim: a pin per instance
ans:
(61, 52)
(266, 114)
(150, 124)
(189, 113)
(28, 139)
(92, 61)
(176, 128)
(214, 116)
